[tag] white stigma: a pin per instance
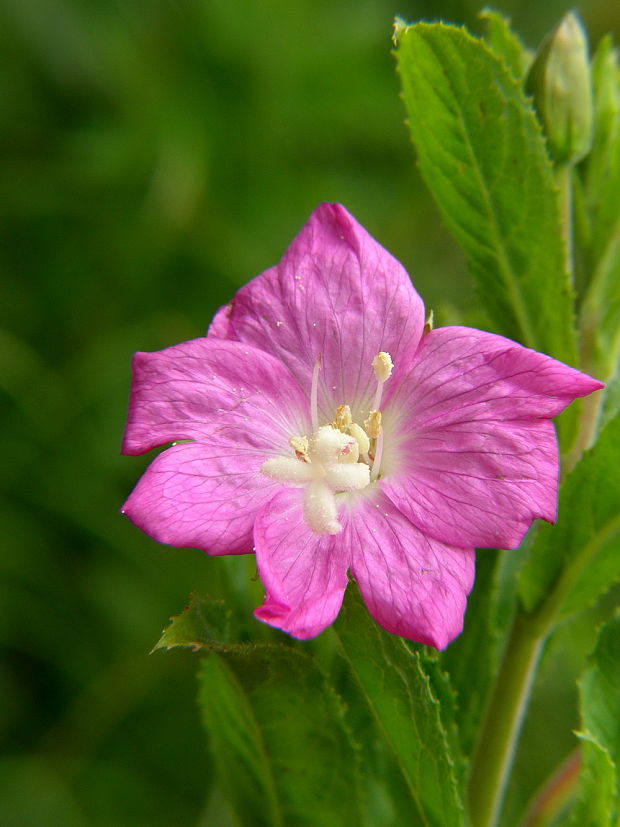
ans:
(332, 467)
(338, 457)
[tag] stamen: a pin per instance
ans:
(360, 436)
(314, 396)
(376, 464)
(335, 458)
(343, 417)
(299, 444)
(373, 424)
(382, 365)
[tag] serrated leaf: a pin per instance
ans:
(413, 706)
(596, 787)
(203, 623)
(505, 43)
(277, 733)
(483, 157)
(601, 306)
(599, 689)
(572, 563)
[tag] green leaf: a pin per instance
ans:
(611, 403)
(413, 706)
(277, 733)
(483, 156)
(276, 727)
(599, 687)
(204, 623)
(596, 787)
(505, 43)
(572, 563)
(601, 305)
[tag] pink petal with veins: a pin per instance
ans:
(477, 457)
(413, 586)
(193, 389)
(337, 295)
(202, 495)
(461, 374)
(304, 574)
(478, 484)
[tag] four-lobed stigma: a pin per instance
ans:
(339, 456)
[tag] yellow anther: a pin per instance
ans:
(373, 424)
(382, 365)
(299, 444)
(343, 417)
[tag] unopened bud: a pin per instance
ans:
(561, 85)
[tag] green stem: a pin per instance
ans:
(500, 733)
(564, 183)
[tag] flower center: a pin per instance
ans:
(339, 456)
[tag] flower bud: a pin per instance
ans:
(560, 83)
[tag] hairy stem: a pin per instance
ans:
(496, 748)
(564, 183)
(502, 725)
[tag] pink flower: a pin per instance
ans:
(329, 434)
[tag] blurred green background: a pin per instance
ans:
(155, 155)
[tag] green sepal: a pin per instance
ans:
(560, 83)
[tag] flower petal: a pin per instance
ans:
(460, 374)
(304, 574)
(202, 495)
(203, 386)
(337, 295)
(476, 461)
(478, 484)
(413, 586)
